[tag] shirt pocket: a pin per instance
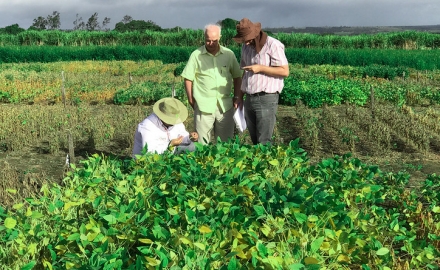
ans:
(224, 71)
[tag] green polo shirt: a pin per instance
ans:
(212, 77)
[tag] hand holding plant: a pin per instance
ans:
(177, 141)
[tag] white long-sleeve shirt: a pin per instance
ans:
(152, 132)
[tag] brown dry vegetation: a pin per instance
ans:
(34, 139)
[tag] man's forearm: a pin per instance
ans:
(188, 89)
(237, 88)
(281, 71)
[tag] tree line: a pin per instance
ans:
(53, 22)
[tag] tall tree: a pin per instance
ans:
(105, 22)
(92, 23)
(40, 23)
(229, 23)
(53, 21)
(127, 19)
(78, 23)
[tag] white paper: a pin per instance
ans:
(240, 122)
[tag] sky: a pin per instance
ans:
(196, 14)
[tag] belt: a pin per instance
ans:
(261, 94)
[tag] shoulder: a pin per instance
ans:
(149, 122)
(224, 49)
(273, 45)
(198, 51)
(274, 42)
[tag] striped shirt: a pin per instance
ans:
(272, 54)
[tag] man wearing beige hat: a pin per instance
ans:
(209, 76)
(164, 129)
(265, 67)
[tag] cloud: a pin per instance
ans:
(196, 13)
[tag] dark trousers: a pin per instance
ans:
(260, 114)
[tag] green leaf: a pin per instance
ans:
(274, 162)
(231, 254)
(312, 218)
(36, 214)
(316, 244)
(286, 173)
(382, 251)
(297, 266)
(300, 217)
(310, 260)
(260, 210)
(204, 229)
(29, 266)
(158, 232)
(73, 237)
(97, 201)
(111, 219)
(189, 213)
(262, 250)
(200, 245)
(10, 223)
(172, 211)
(232, 265)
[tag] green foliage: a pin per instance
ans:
(146, 93)
(179, 69)
(386, 72)
(317, 91)
(13, 29)
(408, 40)
(5, 97)
(224, 206)
(47, 54)
(396, 40)
(417, 59)
(229, 23)
(137, 25)
(87, 46)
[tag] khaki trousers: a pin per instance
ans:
(222, 124)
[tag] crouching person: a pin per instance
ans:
(164, 129)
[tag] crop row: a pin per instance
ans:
(189, 37)
(144, 82)
(226, 206)
(417, 59)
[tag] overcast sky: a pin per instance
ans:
(197, 13)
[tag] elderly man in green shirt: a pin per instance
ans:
(211, 72)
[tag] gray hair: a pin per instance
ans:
(213, 25)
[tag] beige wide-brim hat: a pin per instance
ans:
(170, 110)
(246, 30)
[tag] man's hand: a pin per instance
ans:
(254, 68)
(176, 141)
(191, 102)
(238, 102)
(194, 136)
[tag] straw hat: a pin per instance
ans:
(246, 30)
(170, 110)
